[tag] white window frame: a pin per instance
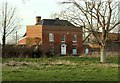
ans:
(51, 37)
(73, 38)
(64, 38)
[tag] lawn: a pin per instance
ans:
(59, 69)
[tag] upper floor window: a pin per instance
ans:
(63, 38)
(74, 38)
(51, 37)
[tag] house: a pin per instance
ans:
(54, 35)
(113, 43)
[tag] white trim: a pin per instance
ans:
(74, 41)
(62, 41)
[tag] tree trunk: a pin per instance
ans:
(103, 54)
(3, 46)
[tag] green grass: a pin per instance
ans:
(59, 69)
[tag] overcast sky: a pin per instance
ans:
(29, 9)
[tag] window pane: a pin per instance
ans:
(63, 38)
(74, 50)
(51, 37)
(74, 38)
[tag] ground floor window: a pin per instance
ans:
(74, 50)
(86, 51)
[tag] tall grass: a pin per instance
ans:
(59, 68)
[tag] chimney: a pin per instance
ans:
(38, 19)
(57, 18)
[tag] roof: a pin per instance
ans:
(94, 45)
(22, 41)
(112, 37)
(55, 22)
(24, 35)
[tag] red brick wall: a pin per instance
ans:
(43, 33)
(58, 31)
(33, 32)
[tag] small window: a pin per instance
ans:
(74, 38)
(63, 38)
(51, 37)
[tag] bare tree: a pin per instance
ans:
(13, 38)
(100, 16)
(8, 23)
(24, 1)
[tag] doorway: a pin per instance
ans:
(63, 49)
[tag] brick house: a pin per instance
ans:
(54, 35)
(113, 43)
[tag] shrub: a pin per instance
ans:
(49, 54)
(22, 52)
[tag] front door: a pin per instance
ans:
(63, 49)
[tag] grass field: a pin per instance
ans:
(59, 69)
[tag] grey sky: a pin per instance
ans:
(32, 8)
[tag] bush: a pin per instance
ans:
(49, 54)
(37, 54)
(12, 51)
